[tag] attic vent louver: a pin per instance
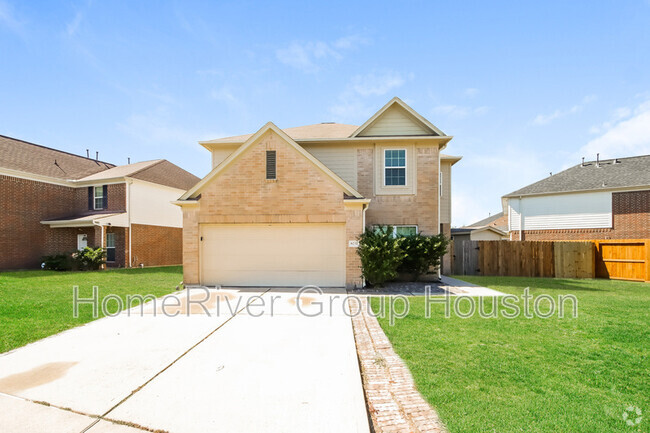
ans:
(271, 165)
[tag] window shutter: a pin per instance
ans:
(105, 203)
(90, 198)
(270, 164)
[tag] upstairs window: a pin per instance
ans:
(395, 167)
(270, 165)
(99, 197)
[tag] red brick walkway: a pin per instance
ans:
(394, 403)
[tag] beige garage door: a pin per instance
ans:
(273, 254)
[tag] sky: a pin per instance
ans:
(525, 88)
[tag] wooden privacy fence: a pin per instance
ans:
(627, 259)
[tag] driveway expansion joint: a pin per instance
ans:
(103, 416)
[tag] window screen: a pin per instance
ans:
(395, 167)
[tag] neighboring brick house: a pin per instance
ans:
(594, 200)
(285, 207)
(55, 202)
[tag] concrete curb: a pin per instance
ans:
(394, 403)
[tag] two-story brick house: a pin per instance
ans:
(54, 202)
(601, 199)
(285, 207)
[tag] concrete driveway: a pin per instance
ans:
(256, 360)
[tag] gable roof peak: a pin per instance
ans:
(415, 116)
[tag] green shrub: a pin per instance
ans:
(89, 259)
(381, 254)
(57, 262)
(422, 253)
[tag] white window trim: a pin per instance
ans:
(95, 197)
(383, 174)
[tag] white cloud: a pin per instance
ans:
(157, 128)
(629, 135)
(459, 111)
(307, 56)
(544, 119)
(72, 27)
(376, 84)
(470, 92)
(8, 18)
(617, 114)
(351, 105)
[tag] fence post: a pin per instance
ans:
(647, 260)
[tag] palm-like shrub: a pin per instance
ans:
(381, 255)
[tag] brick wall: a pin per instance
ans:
(24, 203)
(64, 240)
(121, 246)
(156, 245)
(419, 209)
(353, 229)
(630, 215)
(116, 199)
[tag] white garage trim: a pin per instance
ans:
(273, 255)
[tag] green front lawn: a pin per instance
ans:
(36, 304)
(534, 375)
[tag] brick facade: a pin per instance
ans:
(156, 245)
(116, 200)
(241, 194)
(24, 240)
(630, 220)
(64, 240)
(420, 208)
(24, 204)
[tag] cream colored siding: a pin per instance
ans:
(151, 204)
(395, 121)
(220, 154)
(485, 235)
(562, 211)
(273, 255)
(445, 198)
(341, 160)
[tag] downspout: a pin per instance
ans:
(439, 195)
(128, 215)
(521, 220)
(363, 220)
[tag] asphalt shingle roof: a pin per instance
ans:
(33, 158)
(487, 221)
(612, 173)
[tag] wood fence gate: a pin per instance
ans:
(466, 258)
(624, 259)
